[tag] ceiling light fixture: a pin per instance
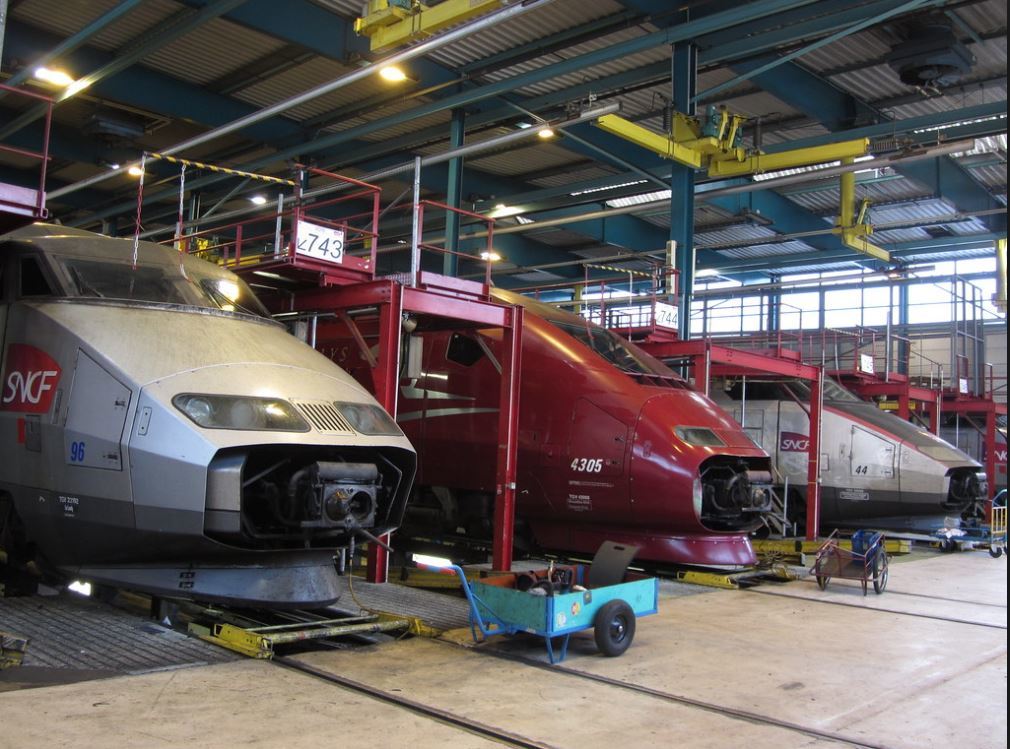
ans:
(54, 77)
(135, 171)
(392, 74)
(491, 256)
(258, 200)
(545, 132)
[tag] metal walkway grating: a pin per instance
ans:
(440, 611)
(77, 634)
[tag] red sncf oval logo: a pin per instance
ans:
(793, 442)
(29, 380)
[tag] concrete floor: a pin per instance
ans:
(923, 665)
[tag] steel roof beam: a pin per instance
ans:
(175, 27)
(902, 250)
(144, 88)
(71, 42)
(818, 98)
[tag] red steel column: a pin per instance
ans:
(814, 458)
(903, 410)
(508, 444)
(386, 389)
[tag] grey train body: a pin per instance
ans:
(175, 442)
(876, 470)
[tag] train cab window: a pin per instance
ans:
(33, 281)
(464, 350)
(758, 391)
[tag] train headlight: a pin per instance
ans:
(698, 495)
(700, 436)
(368, 418)
(240, 412)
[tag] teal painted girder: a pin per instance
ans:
(902, 250)
(837, 109)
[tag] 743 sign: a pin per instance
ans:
(320, 242)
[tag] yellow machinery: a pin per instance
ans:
(712, 143)
(390, 23)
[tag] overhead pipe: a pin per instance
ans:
(501, 141)
(418, 50)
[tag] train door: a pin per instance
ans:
(872, 466)
(597, 482)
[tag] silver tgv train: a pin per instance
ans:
(159, 432)
(877, 471)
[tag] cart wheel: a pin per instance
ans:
(822, 582)
(948, 545)
(995, 551)
(614, 628)
(880, 572)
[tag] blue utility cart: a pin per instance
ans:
(499, 606)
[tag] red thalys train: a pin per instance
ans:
(613, 445)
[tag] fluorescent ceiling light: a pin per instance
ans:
(392, 74)
(55, 77)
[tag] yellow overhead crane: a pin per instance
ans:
(712, 143)
(390, 23)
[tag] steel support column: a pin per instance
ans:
(904, 347)
(990, 457)
(386, 379)
(814, 457)
(453, 194)
(3, 26)
(508, 444)
(775, 307)
(684, 73)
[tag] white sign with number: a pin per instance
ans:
(866, 363)
(320, 242)
(666, 316)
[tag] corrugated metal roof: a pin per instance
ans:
(68, 18)
(517, 161)
(578, 174)
(536, 24)
(779, 249)
(312, 73)
(588, 73)
(220, 46)
(991, 175)
(826, 197)
(985, 18)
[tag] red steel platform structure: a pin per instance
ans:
(314, 266)
(21, 205)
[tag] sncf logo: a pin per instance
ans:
(793, 442)
(29, 381)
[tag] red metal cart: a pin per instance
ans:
(865, 562)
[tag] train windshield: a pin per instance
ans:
(183, 282)
(615, 350)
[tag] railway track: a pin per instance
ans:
(918, 615)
